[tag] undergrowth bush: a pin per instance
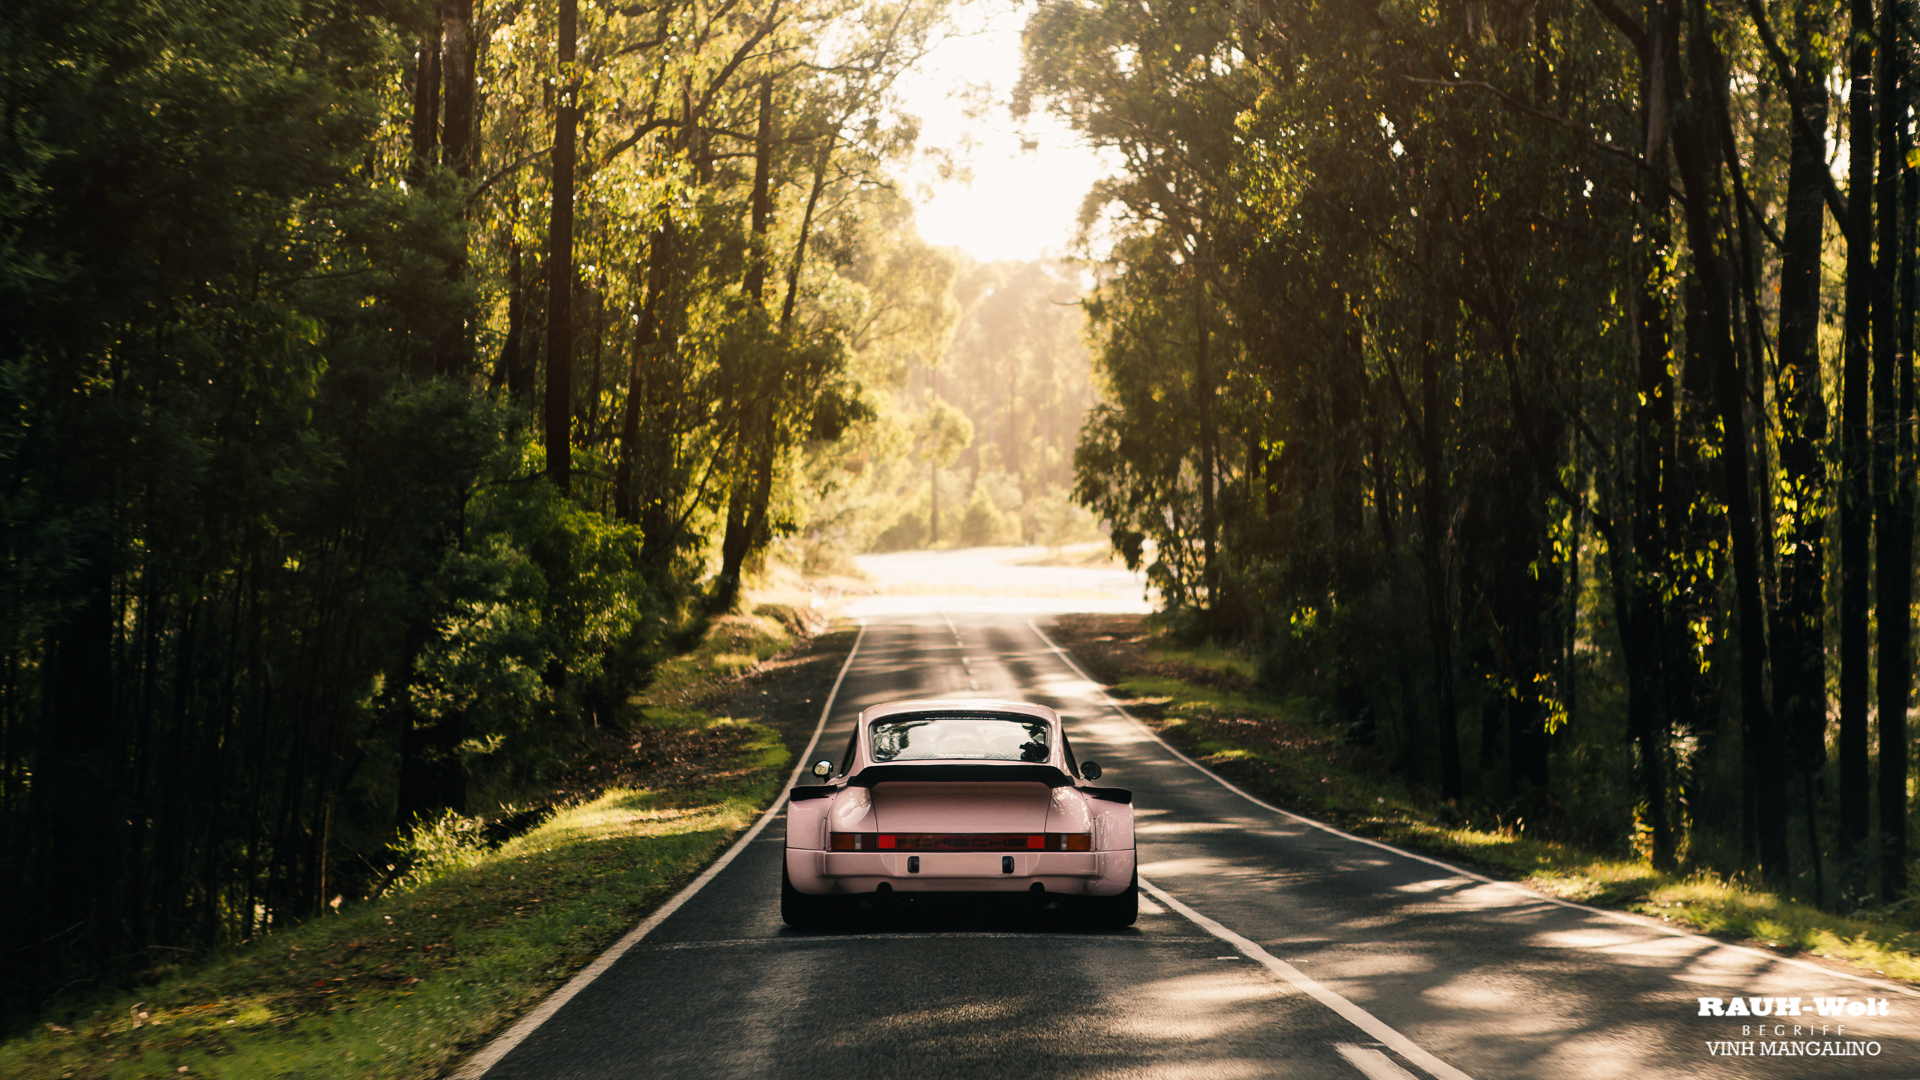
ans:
(435, 847)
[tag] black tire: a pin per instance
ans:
(1116, 912)
(800, 911)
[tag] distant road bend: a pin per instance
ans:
(1268, 946)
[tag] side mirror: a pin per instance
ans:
(823, 768)
(1090, 770)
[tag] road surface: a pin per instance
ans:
(1267, 947)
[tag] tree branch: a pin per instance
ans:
(1624, 22)
(1517, 105)
(522, 160)
(1790, 80)
(627, 143)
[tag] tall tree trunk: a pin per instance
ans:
(1648, 644)
(933, 473)
(1693, 147)
(746, 505)
(759, 474)
(806, 230)
(1892, 383)
(747, 533)
(457, 63)
(454, 353)
(426, 106)
(1856, 505)
(1433, 555)
(626, 496)
(761, 210)
(1690, 602)
(73, 796)
(559, 403)
(1799, 634)
(511, 371)
(597, 334)
(1203, 393)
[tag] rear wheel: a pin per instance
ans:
(799, 910)
(1116, 912)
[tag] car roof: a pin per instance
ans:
(959, 705)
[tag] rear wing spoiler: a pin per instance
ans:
(966, 774)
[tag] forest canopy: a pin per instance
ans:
(389, 387)
(1530, 382)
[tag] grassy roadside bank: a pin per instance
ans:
(1209, 706)
(407, 985)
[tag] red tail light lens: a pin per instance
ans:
(860, 841)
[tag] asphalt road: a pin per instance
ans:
(1267, 947)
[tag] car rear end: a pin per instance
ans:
(902, 822)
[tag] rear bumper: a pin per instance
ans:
(851, 873)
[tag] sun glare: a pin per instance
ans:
(1016, 184)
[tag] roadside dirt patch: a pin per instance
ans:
(1290, 769)
(1269, 736)
(784, 693)
(656, 758)
(1114, 647)
(787, 692)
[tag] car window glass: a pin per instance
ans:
(1067, 749)
(976, 738)
(853, 740)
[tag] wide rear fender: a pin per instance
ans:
(852, 812)
(807, 823)
(1112, 825)
(1068, 811)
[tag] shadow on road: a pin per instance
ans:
(1019, 914)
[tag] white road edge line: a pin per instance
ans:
(1353, 1014)
(1631, 920)
(1375, 1064)
(479, 1064)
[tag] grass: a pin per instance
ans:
(409, 984)
(732, 645)
(1272, 746)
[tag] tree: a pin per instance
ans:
(1440, 247)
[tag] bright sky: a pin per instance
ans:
(1021, 204)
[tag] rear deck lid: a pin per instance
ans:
(905, 806)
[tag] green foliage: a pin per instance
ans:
(729, 645)
(982, 523)
(942, 432)
(282, 572)
(548, 623)
(438, 847)
(409, 983)
(1409, 383)
(906, 534)
(1278, 749)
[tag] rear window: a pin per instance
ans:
(979, 737)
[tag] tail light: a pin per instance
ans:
(849, 841)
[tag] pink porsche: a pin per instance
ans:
(957, 797)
